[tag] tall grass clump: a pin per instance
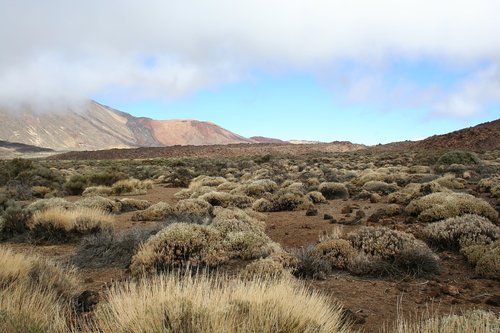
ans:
(201, 304)
(60, 225)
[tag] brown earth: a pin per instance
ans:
(373, 302)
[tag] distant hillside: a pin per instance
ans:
(96, 126)
(262, 139)
(484, 136)
(22, 148)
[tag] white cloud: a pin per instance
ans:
(69, 50)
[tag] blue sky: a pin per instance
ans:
(301, 105)
(360, 70)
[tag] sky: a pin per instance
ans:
(360, 70)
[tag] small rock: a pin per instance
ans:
(450, 290)
(493, 300)
(333, 220)
(311, 211)
(327, 217)
(360, 214)
(347, 209)
(88, 280)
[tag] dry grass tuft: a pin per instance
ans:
(475, 321)
(61, 225)
(265, 269)
(200, 304)
(131, 186)
(100, 203)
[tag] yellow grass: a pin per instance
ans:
(80, 219)
(201, 304)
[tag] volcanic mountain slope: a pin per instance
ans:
(95, 126)
(484, 136)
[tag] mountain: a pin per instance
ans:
(95, 126)
(22, 148)
(263, 139)
(485, 136)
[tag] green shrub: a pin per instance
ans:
(180, 245)
(458, 157)
(76, 184)
(465, 230)
(442, 205)
(333, 190)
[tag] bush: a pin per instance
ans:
(13, 219)
(131, 186)
(476, 321)
(333, 190)
(224, 199)
(438, 206)
(249, 245)
(458, 157)
(59, 225)
(309, 264)
(44, 204)
(257, 188)
(380, 187)
(290, 201)
(100, 203)
(316, 197)
(484, 257)
(199, 304)
(264, 268)
(107, 249)
(157, 212)
(465, 230)
(393, 252)
(129, 204)
(196, 207)
(76, 184)
(97, 190)
(180, 245)
(337, 252)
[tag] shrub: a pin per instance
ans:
(257, 188)
(60, 225)
(131, 186)
(196, 207)
(458, 157)
(156, 212)
(180, 245)
(450, 182)
(41, 191)
(380, 187)
(201, 304)
(290, 201)
(107, 249)
(100, 203)
(338, 252)
(236, 221)
(333, 190)
(488, 265)
(316, 197)
(43, 204)
(129, 204)
(264, 268)
(76, 184)
(461, 231)
(401, 252)
(13, 219)
(309, 264)
(262, 205)
(224, 199)
(476, 321)
(438, 206)
(97, 190)
(249, 245)
(206, 181)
